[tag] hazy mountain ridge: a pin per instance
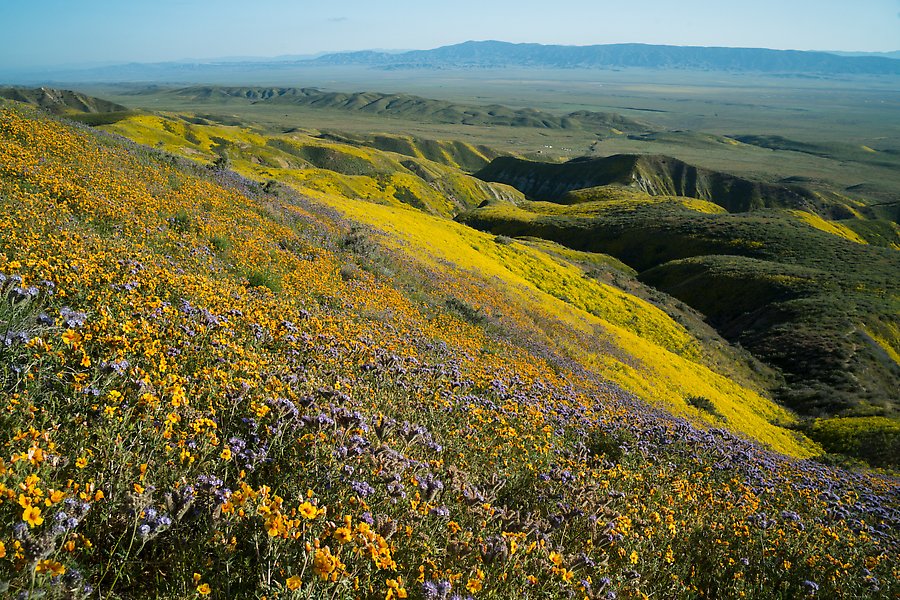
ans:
(491, 54)
(494, 54)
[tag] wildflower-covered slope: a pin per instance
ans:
(204, 394)
(597, 326)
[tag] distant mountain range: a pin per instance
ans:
(492, 54)
(486, 55)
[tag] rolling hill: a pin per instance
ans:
(59, 101)
(654, 175)
(415, 108)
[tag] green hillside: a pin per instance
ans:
(807, 295)
(75, 105)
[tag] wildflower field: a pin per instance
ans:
(213, 389)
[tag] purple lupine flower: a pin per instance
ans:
(362, 489)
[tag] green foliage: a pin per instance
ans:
(220, 243)
(706, 405)
(873, 439)
(181, 221)
(465, 310)
(265, 279)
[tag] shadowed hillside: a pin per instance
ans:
(654, 175)
(60, 101)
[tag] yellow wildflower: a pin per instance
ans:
(71, 338)
(343, 535)
(50, 567)
(474, 586)
(32, 516)
(308, 511)
(395, 589)
(325, 564)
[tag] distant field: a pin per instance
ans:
(852, 124)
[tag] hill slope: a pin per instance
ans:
(224, 376)
(60, 101)
(351, 179)
(654, 175)
(803, 293)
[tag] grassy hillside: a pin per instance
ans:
(559, 304)
(324, 164)
(801, 292)
(214, 389)
(81, 107)
(467, 157)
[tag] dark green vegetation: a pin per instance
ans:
(822, 309)
(654, 175)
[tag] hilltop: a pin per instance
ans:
(59, 101)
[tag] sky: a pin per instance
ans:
(73, 32)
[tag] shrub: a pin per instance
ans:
(266, 279)
(704, 404)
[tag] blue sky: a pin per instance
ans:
(54, 32)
